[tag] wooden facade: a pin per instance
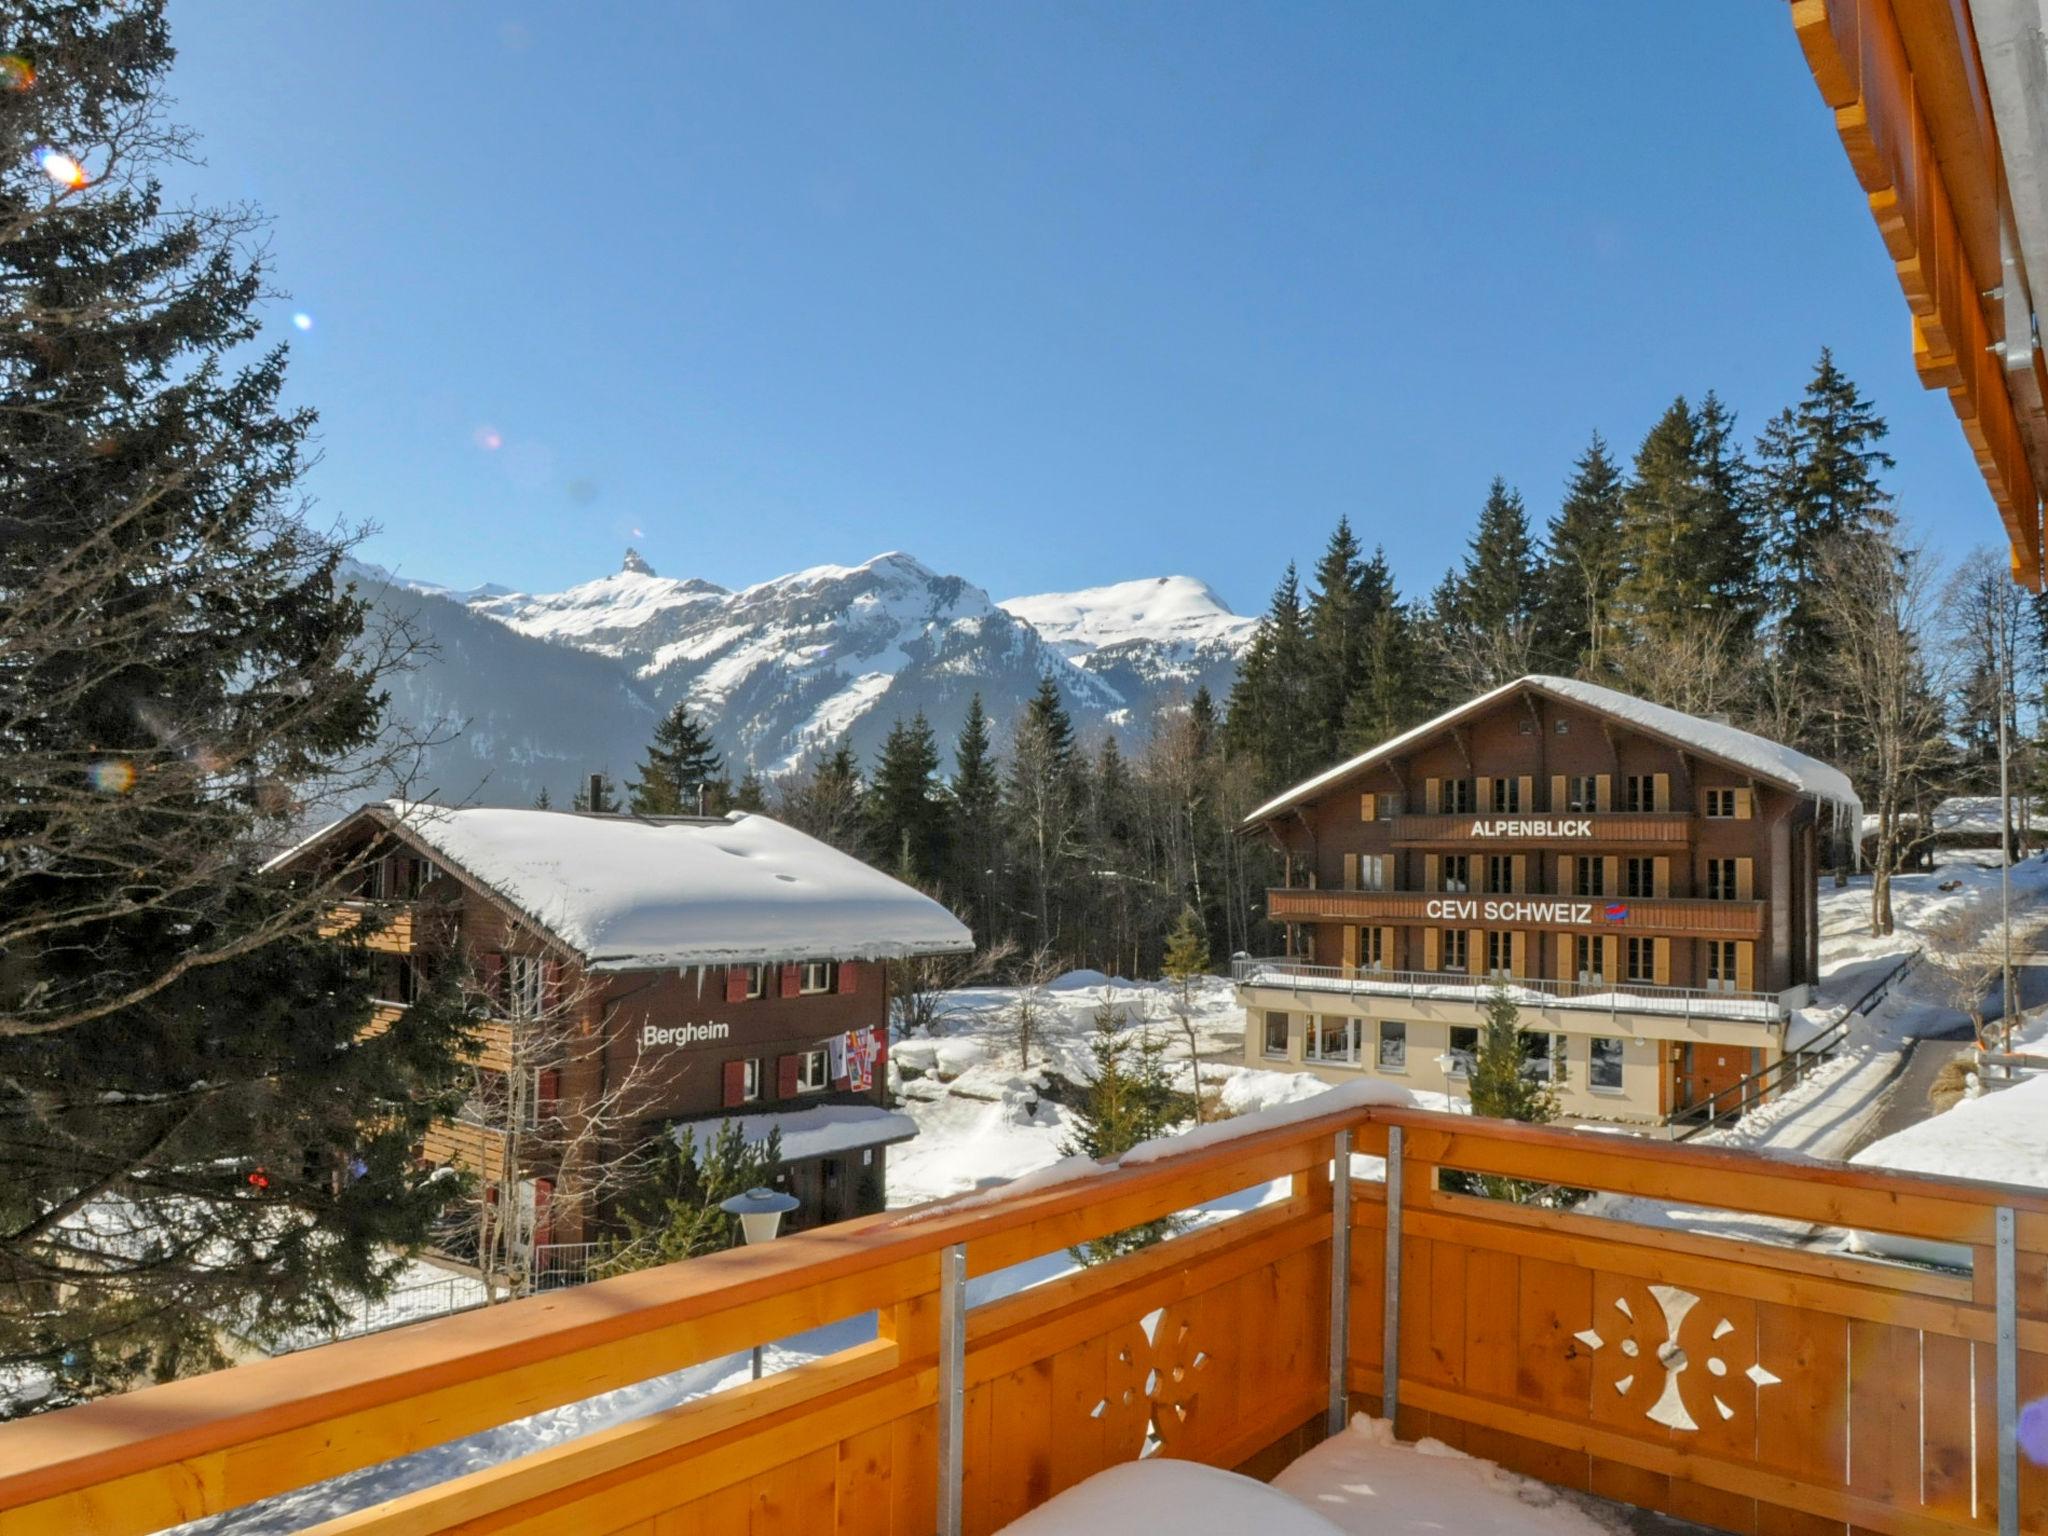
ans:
(725, 1041)
(1753, 1388)
(1569, 849)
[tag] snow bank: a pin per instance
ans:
(2002, 1136)
(822, 1132)
(1184, 1497)
(638, 894)
(1366, 1482)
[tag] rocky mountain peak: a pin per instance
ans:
(635, 564)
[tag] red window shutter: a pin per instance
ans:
(735, 983)
(494, 977)
(790, 980)
(543, 1213)
(786, 1070)
(735, 1084)
(550, 1087)
(849, 976)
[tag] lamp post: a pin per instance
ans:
(760, 1212)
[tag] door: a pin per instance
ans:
(1707, 1070)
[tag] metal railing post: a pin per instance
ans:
(2006, 1285)
(1390, 1305)
(952, 1402)
(1340, 1285)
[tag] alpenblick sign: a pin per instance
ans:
(1540, 827)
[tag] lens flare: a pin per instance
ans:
(16, 73)
(61, 168)
(302, 320)
(112, 775)
(2033, 1435)
(489, 439)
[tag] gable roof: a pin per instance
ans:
(646, 893)
(1768, 760)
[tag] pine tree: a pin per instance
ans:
(1187, 962)
(1503, 1089)
(1817, 469)
(674, 1214)
(1583, 564)
(752, 794)
(1395, 688)
(1487, 615)
(1689, 537)
(1042, 809)
(906, 807)
(682, 771)
(191, 1119)
(1123, 1106)
(1270, 719)
(1336, 623)
(976, 791)
(543, 801)
(827, 802)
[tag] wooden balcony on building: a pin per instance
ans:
(1667, 917)
(1752, 1385)
(463, 1144)
(1502, 832)
(389, 924)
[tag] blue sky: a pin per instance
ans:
(1047, 294)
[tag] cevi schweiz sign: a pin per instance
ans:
(1474, 910)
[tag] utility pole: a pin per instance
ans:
(2009, 999)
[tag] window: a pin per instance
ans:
(1639, 877)
(1393, 1046)
(394, 979)
(817, 976)
(810, 1073)
(1641, 962)
(1507, 796)
(1528, 727)
(1589, 875)
(1372, 948)
(1589, 957)
(1457, 955)
(1500, 954)
(1721, 965)
(1639, 792)
(1720, 879)
(1604, 1076)
(1581, 792)
(1542, 1057)
(1464, 1049)
(1333, 1041)
(1564, 727)
(1372, 871)
(1458, 797)
(1276, 1035)
(750, 1080)
(1500, 874)
(757, 981)
(523, 986)
(1721, 802)
(1457, 872)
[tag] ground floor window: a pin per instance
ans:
(1605, 1072)
(1276, 1035)
(1464, 1050)
(1542, 1057)
(810, 1072)
(1457, 953)
(1393, 1045)
(1333, 1041)
(1720, 965)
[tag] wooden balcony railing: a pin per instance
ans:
(464, 1144)
(1502, 831)
(1747, 1386)
(390, 923)
(1284, 973)
(1670, 916)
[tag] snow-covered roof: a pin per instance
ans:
(825, 1131)
(646, 893)
(1768, 760)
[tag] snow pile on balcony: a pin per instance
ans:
(634, 893)
(1364, 1481)
(1712, 738)
(1184, 1497)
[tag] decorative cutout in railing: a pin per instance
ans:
(1676, 1377)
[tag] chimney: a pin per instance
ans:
(597, 797)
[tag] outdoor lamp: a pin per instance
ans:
(1445, 1063)
(760, 1212)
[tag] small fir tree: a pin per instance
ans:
(1503, 1088)
(1187, 961)
(1126, 1103)
(675, 1213)
(976, 793)
(906, 806)
(682, 771)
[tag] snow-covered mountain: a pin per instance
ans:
(1144, 638)
(782, 670)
